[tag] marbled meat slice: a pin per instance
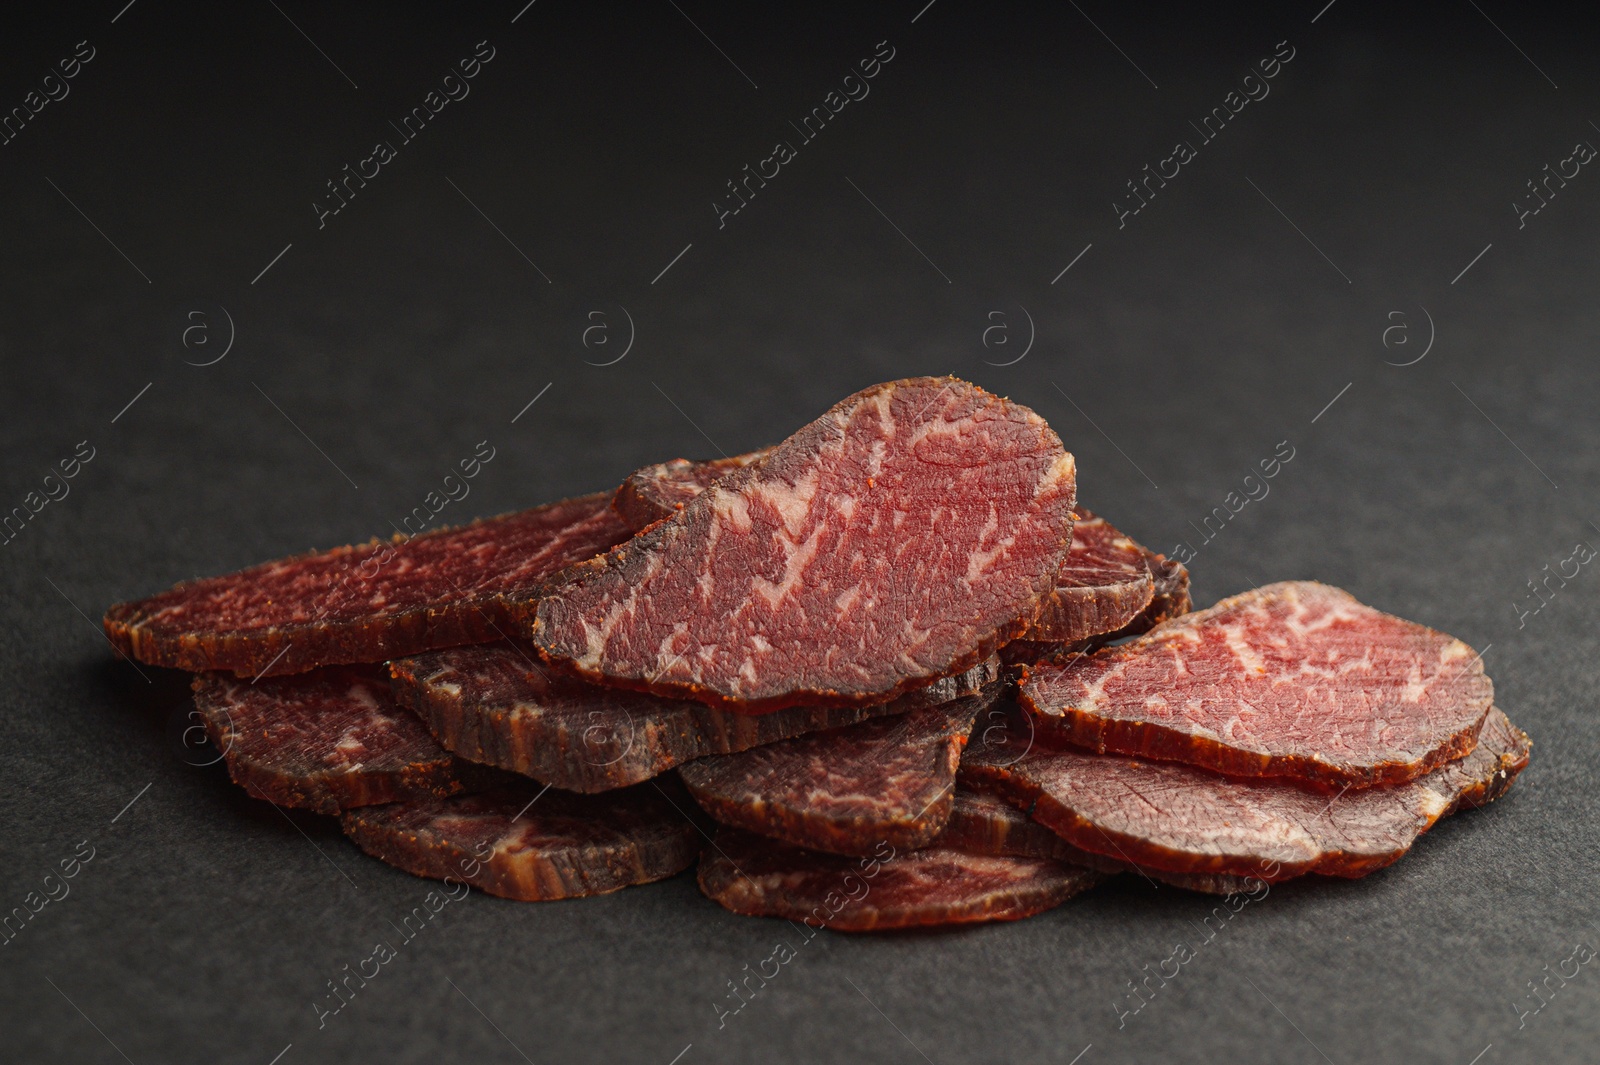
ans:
(1103, 585)
(531, 844)
(494, 704)
(324, 741)
(848, 789)
(905, 535)
(1296, 679)
(892, 888)
(660, 491)
(1162, 815)
(365, 603)
(982, 823)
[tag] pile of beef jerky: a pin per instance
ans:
(886, 673)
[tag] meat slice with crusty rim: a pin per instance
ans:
(1162, 815)
(365, 603)
(1106, 586)
(983, 823)
(660, 491)
(325, 741)
(905, 535)
(532, 844)
(845, 790)
(1296, 679)
(889, 889)
(494, 704)
(1103, 584)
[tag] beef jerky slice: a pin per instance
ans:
(1103, 585)
(1161, 815)
(494, 704)
(1291, 680)
(903, 536)
(845, 790)
(324, 741)
(890, 889)
(981, 823)
(533, 845)
(365, 603)
(660, 491)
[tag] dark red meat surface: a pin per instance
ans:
(532, 844)
(1106, 584)
(365, 603)
(1162, 815)
(660, 491)
(1291, 680)
(905, 535)
(495, 704)
(982, 823)
(889, 889)
(324, 741)
(1103, 585)
(845, 790)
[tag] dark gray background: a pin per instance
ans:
(1173, 355)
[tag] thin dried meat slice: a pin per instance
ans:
(1295, 680)
(531, 844)
(905, 535)
(1162, 815)
(982, 823)
(845, 790)
(365, 603)
(1103, 585)
(324, 741)
(760, 877)
(661, 490)
(494, 704)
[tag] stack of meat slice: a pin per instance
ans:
(793, 665)
(1287, 730)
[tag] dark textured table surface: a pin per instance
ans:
(1353, 266)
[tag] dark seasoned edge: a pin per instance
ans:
(565, 876)
(1170, 599)
(716, 874)
(852, 836)
(1052, 624)
(309, 645)
(965, 835)
(525, 613)
(325, 791)
(1161, 743)
(474, 735)
(1087, 835)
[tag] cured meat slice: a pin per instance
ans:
(493, 704)
(365, 603)
(533, 845)
(845, 790)
(1296, 679)
(903, 536)
(1162, 815)
(981, 823)
(1106, 584)
(323, 741)
(762, 877)
(1103, 585)
(660, 491)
